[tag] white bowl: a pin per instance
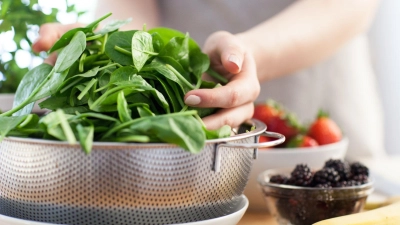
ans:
(231, 219)
(276, 158)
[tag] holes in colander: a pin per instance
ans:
(188, 186)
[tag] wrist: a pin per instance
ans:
(264, 51)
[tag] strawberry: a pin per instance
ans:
(266, 112)
(264, 139)
(286, 125)
(277, 119)
(300, 141)
(324, 130)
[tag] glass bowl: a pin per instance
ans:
(274, 158)
(294, 205)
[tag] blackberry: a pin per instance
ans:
(359, 169)
(347, 183)
(301, 176)
(343, 168)
(360, 179)
(278, 179)
(326, 176)
(328, 185)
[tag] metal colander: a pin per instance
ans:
(54, 182)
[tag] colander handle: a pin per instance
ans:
(280, 139)
(217, 159)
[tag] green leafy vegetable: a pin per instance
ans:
(120, 86)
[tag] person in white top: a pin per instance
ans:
(307, 54)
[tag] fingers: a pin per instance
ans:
(241, 89)
(225, 52)
(49, 33)
(232, 117)
(51, 60)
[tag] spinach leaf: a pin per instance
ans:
(199, 63)
(29, 82)
(85, 135)
(66, 38)
(123, 111)
(144, 111)
(122, 39)
(121, 74)
(54, 102)
(93, 25)
(9, 123)
(30, 121)
(71, 52)
(113, 26)
(178, 48)
(169, 92)
(158, 42)
(142, 48)
(49, 86)
(73, 80)
(184, 131)
(171, 73)
(224, 131)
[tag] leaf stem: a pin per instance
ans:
(29, 99)
(69, 134)
(122, 50)
(103, 45)
(217, 76)
(82, 62)
(199, 119)
(94, 37)
(180, 77)
(101, 62)
(144, 51)
(87, 88)
(110, 65)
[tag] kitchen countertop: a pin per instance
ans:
(257, 218)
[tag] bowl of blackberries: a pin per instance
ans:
(303, 196)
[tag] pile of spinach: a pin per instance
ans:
(116, 86)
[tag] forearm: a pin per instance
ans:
(141, 12)
(306, 33)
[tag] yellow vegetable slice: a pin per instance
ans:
(387, 215)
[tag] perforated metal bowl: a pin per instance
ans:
(117, 183)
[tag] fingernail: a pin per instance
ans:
(234, 59)
(192, 100)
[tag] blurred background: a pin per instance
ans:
(20, 28)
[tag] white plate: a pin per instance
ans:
(5, 220)
(231, 219)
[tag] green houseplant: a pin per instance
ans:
(22, 18)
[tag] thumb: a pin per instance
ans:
(225, 49)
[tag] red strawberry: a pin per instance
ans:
(324, 130)
(286, 125)
(264, 139)
(302, 141)
(266, 112)
(276, 119)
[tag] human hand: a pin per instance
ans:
(49, 33)
(230, 58)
